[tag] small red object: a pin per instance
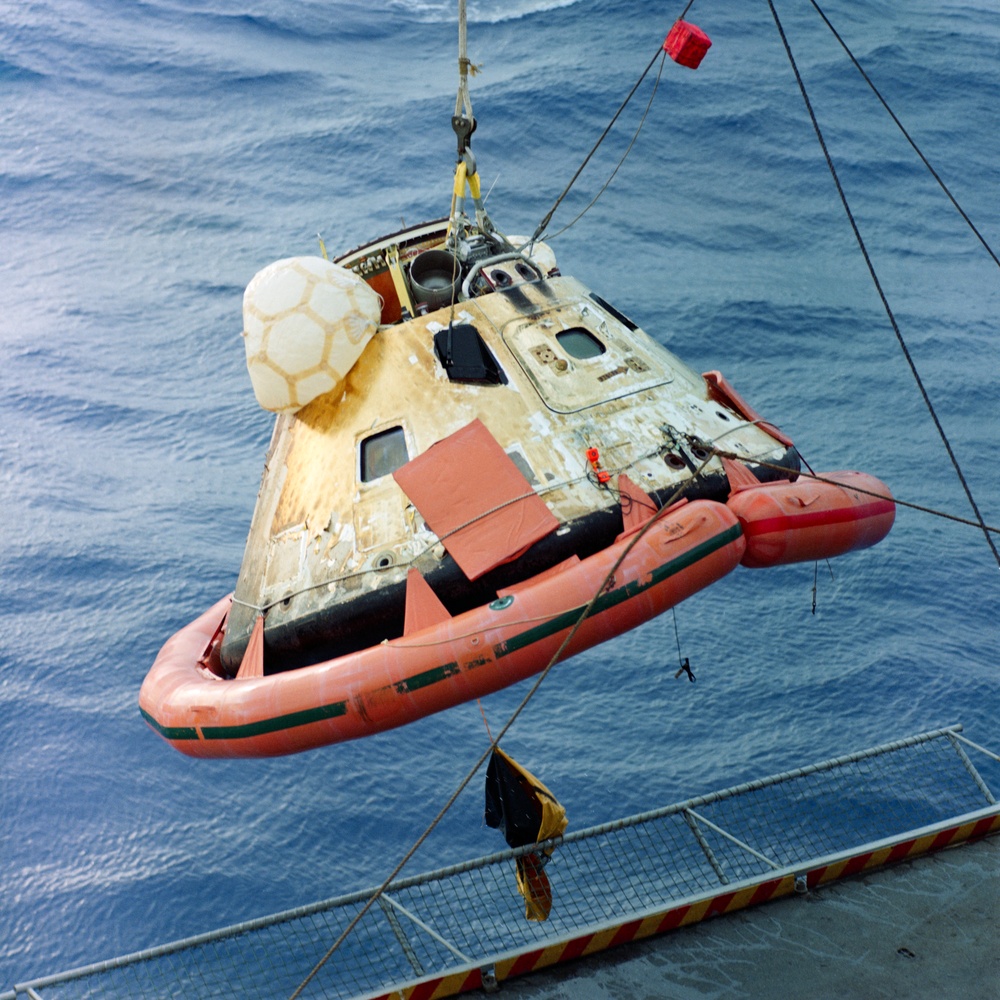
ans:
(687, 44)
(603, 476)
(593, 455)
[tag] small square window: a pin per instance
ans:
(579, 343)
(383, 453)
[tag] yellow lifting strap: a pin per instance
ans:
(398, 281)
(458, 196)
(473, 180)
(461, 175)
(466, 175)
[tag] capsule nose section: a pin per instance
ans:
(812, 518)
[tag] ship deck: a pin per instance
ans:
(922, 929)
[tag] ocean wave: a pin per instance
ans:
(13, 72)
(478, 11)
(309, 21)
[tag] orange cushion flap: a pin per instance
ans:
(475, 499)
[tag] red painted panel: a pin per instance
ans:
(672, 919)
(625, 933)
(764, 892)
(525, 963)
(575, 948)
(475, 499)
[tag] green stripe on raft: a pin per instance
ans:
(569, 618)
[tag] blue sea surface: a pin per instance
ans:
(155, 155)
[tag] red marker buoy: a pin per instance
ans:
(687, 44)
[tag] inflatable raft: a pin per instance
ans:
(657, 561)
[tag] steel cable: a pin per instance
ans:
(878, 287)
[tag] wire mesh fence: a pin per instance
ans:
(468, 915)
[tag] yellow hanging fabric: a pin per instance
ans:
(534, 885)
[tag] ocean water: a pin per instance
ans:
(155, 155)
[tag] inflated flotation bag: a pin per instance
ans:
(305, 323)
(812, 518)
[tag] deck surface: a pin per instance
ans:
(926, 928)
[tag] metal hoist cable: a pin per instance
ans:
(881, 293)
(463, 121)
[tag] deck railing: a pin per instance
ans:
(464, 926)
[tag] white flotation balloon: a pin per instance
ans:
(305, 323)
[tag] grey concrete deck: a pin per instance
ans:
(927, 928)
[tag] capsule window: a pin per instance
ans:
(383, 453)
(579, 343)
